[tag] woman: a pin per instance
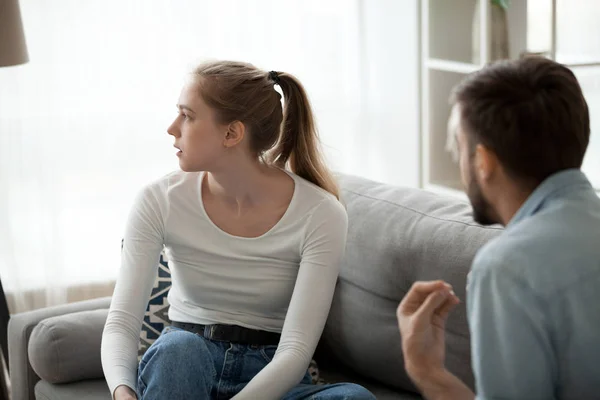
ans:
(254, 249)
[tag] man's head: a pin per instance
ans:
(517, 123)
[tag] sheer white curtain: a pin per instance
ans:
(83, 125)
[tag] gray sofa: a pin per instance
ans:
(396, 237)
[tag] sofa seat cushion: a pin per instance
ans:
(337, 373)
(397, 236)
(66, 348)
(95, 389)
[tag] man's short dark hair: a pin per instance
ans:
(530, 112)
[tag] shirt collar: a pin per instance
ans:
(546, 190)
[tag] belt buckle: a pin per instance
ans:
(209, 331)
(217, 333)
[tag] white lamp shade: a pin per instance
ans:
(13, 49)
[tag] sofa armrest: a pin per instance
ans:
(20, 326)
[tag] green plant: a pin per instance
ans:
(501, 3)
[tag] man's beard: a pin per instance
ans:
(483, 212)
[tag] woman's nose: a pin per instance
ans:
(173, 129)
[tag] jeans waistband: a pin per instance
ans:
(231, 333)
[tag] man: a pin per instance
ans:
(533, 293)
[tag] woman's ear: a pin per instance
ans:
(235, 134)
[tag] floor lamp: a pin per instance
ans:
(13, 51)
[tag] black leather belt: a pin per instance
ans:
(231, 333)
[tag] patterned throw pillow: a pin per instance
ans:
(156, 317)
(313, 369)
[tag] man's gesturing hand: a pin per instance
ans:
(422, 318)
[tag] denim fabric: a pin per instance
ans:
(183, 365)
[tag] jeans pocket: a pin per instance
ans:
(268, 352)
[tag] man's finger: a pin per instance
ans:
(451, 302)
(432, 303)
(428, 286)
(417, 294)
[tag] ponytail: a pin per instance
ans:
(298, 143)
(288, 137)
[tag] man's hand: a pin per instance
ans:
(422, 318)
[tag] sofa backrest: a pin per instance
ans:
(397, 236)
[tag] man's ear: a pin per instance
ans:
(235, 134)
(486, 163)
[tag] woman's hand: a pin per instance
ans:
(125, 393)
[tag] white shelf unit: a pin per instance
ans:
(446, 58)
(451, 66)
(584, 61)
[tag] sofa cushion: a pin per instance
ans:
(397, 236)
(380, 391)
(66, 348)
(95, 389)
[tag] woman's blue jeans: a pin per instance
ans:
(183, 365)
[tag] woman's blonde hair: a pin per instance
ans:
(280, 136)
